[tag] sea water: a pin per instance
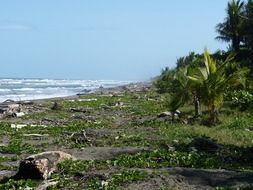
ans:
(30, 89)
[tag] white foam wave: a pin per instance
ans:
(5, 90)
(28, 89)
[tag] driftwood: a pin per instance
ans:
(9, 107)
(79, 138)
(46, 184)
(48, 121)
(36, 136)
(81, 109)
(41, 166)
(83, 117)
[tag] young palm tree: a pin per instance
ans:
(213, 82)
(231, 30)
(181, 93)
(184, 90)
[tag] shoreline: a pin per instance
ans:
(118, 128)
(132, 87)
(31, 89)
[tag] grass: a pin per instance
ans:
(133, 124)
(19, 184)
(114, 182)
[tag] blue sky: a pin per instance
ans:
(103, 39)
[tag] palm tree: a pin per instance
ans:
(231, 30)
(181, 92)
(213, 82)
(249, 25)
(184, 90)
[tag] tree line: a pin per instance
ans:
(207, 78)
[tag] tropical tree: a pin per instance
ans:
(182, 91)
(176, 83)
(188, 60)
(249, 25)
(213, 82)
(231, 30)
(164, 82)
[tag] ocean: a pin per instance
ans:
(31, 89)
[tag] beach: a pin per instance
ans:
(108, 131)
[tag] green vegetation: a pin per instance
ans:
(237, 30)
(133, 125)
(20, 184)
(128, 138)
(208, 79)
(231, 30)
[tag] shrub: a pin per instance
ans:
(242, 99)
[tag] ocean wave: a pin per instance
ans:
(29, 89)
(5, 90)
(23, 89)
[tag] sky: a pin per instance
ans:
(103, 39)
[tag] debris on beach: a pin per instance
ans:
(46, 184)
(9, 108)
(49, 121)
(83, 100)
(81, 109)
(36, 136)
(56, 106)
(164, 114)
(20, 126)
(79, 138)
(42, 165)
(19, 114)
(87, 100)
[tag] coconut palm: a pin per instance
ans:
(231, 30)
(181, 93)
(213, 82)
(184, 90)
(249, 25)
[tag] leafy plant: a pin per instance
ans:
(242, 99)
(16, 146)
(213, 82)
(165, 158)
(19, 184)
(231, 30)
(126, 176)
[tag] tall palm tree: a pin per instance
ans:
(249, 25)
(231, 30)
(213, 82)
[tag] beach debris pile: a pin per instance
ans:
(11, 108)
